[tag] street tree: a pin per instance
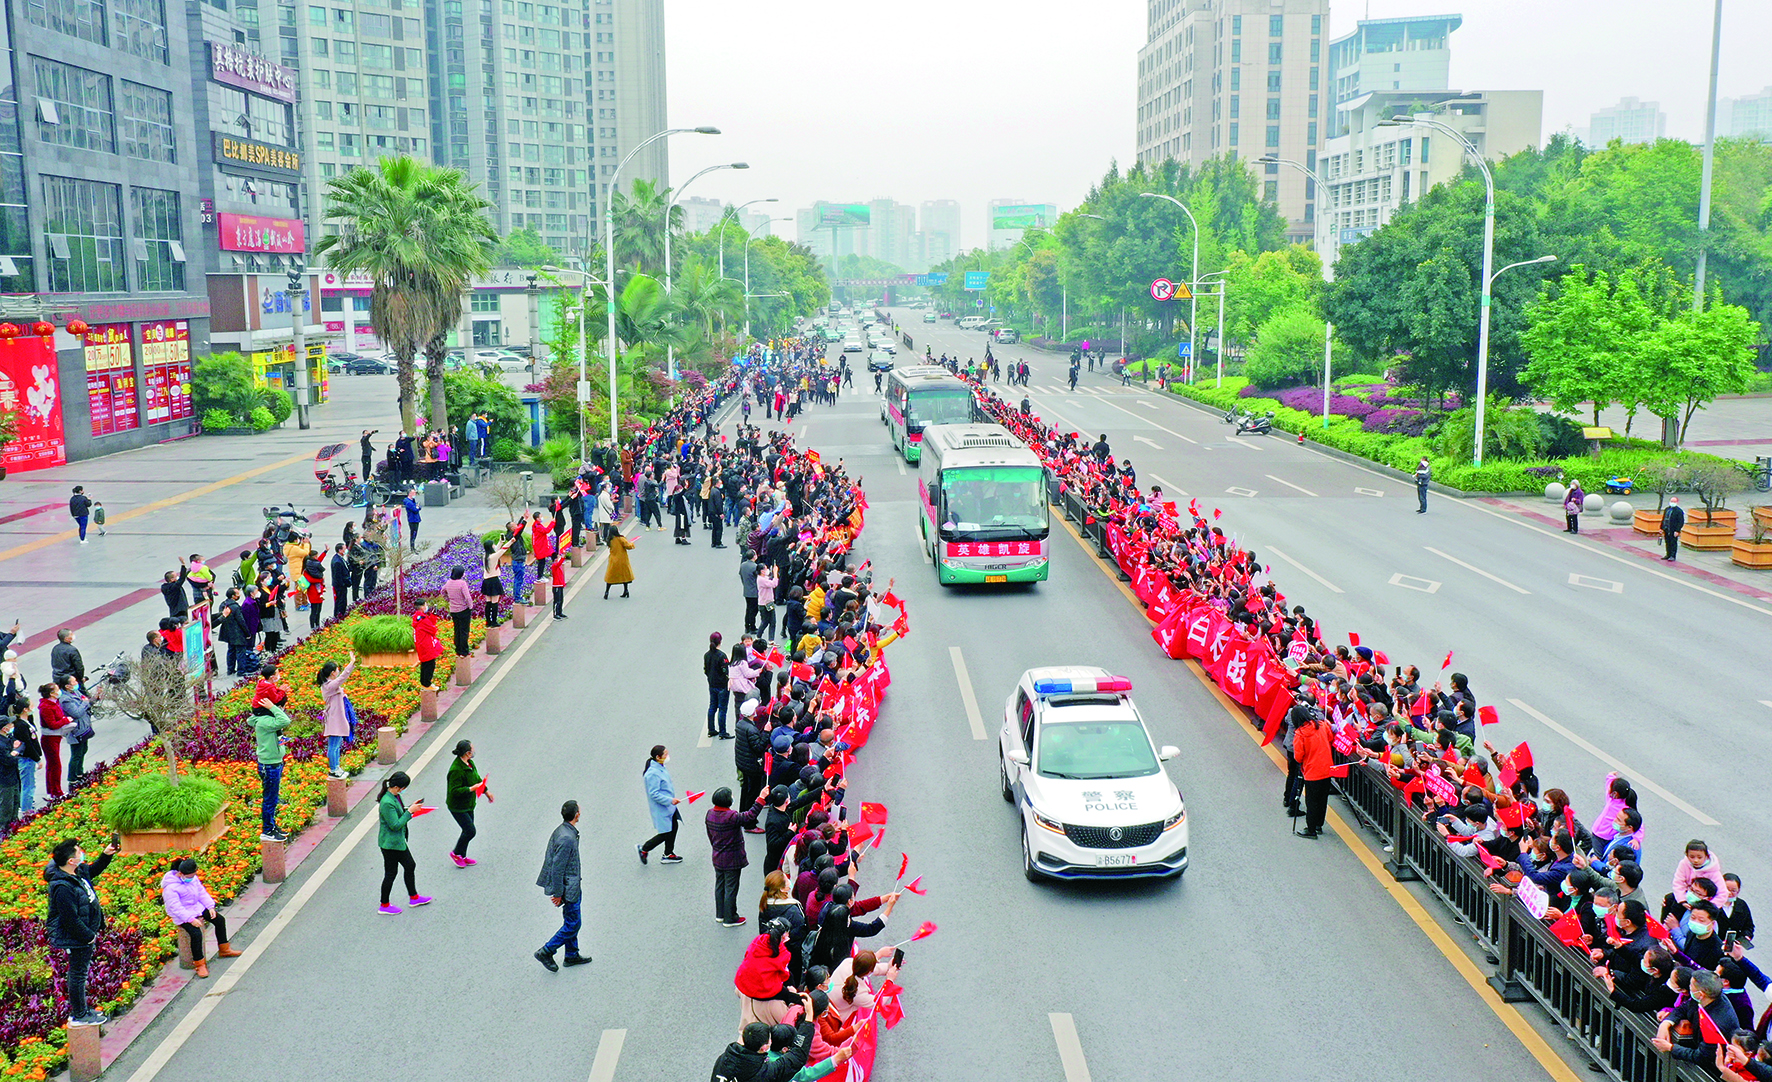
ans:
(1690, 359)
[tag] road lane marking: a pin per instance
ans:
(1152, 423)
(1325, 582)
(1637, 777)
(1070, 1049)
(1235, 490)
(1766, 702)
(1168, 487)
(1478, 570)
(965, 681)
(1289, 484)
(899, 462)
(1593, 583)
(1368, 491)
(1242, 442)
(261, 943)
(1152, 444)
(1147, 405)
(608, 1052)
(1410, 582)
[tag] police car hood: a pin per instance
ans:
(1104, 802)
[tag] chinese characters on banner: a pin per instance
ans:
(110, 379)
(30, 389)
(166, 362)
(996, 548)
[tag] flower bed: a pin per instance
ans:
(139, 936)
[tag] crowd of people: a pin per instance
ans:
(1335, 708)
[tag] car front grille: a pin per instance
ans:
(1103, 837)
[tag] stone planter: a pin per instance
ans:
(408, 660)
(1646, 522)
(1714, 538)
(1755, 555)
(166, 841)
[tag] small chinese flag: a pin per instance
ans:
(695, 796)
(1656, 929)
(1569, 821)
(859, 833)
(1216, 512)
(802, 671)
(924, 931)
(879, 836)
(1706, 1027)
(1353, 638)
(1488, 715)
(1447, 664)
(1521, 759)
(886, 1003)
(891, 600)
(874, 813)
(915, 886)
(776, 657)
(1489, 860)
(902, 625)
(904, 862)
(422, 809)
(1567, 928)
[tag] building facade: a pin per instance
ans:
(1631, 121)
(940, 235)
(1236, 77)
(1747, 118)
(1390, 54)
(1377, 167)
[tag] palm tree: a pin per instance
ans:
(639, 226)
(702, 299)
(421, 234)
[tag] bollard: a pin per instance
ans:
(276, 856)
(519, 616)
(495, 641)
(85, 1052)
(427, 709)
(186, 959)
(385, 736)
(464, 672)
(580, 555)
(542, 600)
(336, 788)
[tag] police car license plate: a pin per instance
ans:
(1117, 860)
(996, 578)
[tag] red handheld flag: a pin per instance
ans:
(879, 836)
(1488, 714)
(924, 931)
(1521, 757)
(859, 833)
(695, 796)
(1353, 638)
(1447, 664)
(1490, 861)
(1216, 512)
(1706, 1027)
(1569, 821)
(1657, 931)
(915, 886)
(904, 862)
(891, 600)
(802, 671)
(887, 1005)
(1567, 929)
(876, 814)
(421, 809)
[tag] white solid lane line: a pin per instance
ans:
(1070, 1049)
(964, 679)
(608, 1052)
(1242, 442)
(1478, 570)
(1305, 569)
(1637, 777)
(1289, 484)
(898, 460)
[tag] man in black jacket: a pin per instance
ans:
(64, 658)
(747, 754)
(341, 581)
(749, 1061)
(172, 588)
(75, 919)
(1673, 520)
(714, 665)
(778, 828)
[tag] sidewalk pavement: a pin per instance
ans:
(202, 494)
(1739, 426)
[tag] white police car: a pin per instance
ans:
(1076, 760)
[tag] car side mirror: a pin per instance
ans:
(1169, 752)
(1020, 758)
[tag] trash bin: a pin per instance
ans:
(436, 493)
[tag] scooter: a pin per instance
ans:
(1234, 415)
(284, 519)
(1256, 426)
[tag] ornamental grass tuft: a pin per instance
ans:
(151, 800)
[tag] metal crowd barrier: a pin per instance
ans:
(1530, 964)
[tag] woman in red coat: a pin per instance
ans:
(1316, 761)
(427, 645)
(541, 543)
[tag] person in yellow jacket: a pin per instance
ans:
(815, 605)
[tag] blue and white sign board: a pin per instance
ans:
(977, 279)
(937, 278)
(1185, 350)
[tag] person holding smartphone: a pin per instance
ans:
(391, 838)
(76, 918)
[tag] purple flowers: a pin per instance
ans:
(36, 995)
(1393, 421)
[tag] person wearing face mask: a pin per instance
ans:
(661, 803)
(190, 906)
(1697, 935)
(75, 918)
(1648, 993)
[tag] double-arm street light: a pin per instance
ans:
(733, 215)
(1328, 268)
(609, 252)
(1218, 353)
(747, 275)
(584, 385)
(670, 348)
(1193, 303)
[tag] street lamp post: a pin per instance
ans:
(1193, 302)
(1710, 150)
(736, 211)
(585, 281)
(298, 291)
(609, 252)
(1219, 353)
(747, 276)
(670, 348)
(1328, 273)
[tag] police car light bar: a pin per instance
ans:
(1099, 683)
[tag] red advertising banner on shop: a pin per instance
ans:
(30, 388)
(166, 360)
(110, 378)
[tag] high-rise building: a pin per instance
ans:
(1630, 120)
(941, 216)
(1237, 77)
(1411, 53)
(1375, 167)
(1008, 219)
(639, 93)
(892, 229)
(700, 213)
(1747, 118)
(829, 241)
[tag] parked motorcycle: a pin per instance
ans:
(1252, 425)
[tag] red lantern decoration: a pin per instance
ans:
(43, 327)
(8, 330)
(77, 326)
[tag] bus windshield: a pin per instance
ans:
(993, 503)
(938, 408)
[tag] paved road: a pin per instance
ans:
(1604, 662)
(1266, 953)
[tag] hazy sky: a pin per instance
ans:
(962, 99)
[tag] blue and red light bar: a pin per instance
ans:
(1082, 684)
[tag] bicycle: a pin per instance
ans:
(1760, 473)
(113, 677)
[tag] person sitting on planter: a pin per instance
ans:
(190, 906)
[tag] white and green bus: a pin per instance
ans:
(983, 494)
(920, 395)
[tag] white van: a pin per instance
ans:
(972, 323)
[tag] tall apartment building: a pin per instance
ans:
(1747, 118)
(633, 92)
(892, 230)
(1630, 120)
(1375, 168)
(940, 219)
(1237, 77)
(700, 213)
(1412, 53)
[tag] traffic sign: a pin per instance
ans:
(1182, 293)
(1162, 289)
(1185, 350)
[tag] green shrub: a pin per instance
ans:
(261, 419)
(1358, 378)
(151, 800)
(505, 449)
(383, 635)
(558, 456)
(1562, 436)
(278, 401)
(223, 381)
(216, 420)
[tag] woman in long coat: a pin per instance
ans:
(619, 570)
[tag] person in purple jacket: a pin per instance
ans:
(726, 834)
(190, 906)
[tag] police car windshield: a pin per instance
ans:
(1094, 750)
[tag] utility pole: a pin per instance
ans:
(533, 292)
(298, 293)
